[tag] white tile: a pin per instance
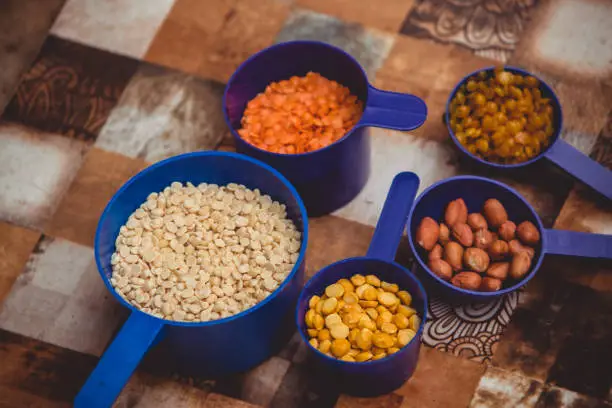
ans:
(164, 113)
(35, 170)
(392, 153)
(500, 388)
(61, 299)
(578, 33)
(123, 26)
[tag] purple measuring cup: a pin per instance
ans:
(475, 191)
(328, 178)
(387, 374)
(559, 151)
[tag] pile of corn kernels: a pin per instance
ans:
(203, 253)
(361, 319)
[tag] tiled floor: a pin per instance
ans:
(92, 91)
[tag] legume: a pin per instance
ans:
(300, 115)
(375, 320)
(202, 253)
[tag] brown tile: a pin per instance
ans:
(70, 89)
(408, 68)
(484, 27)
(24, 27)
(385, 15)
(441, 380)
(557, 397)
(500, 388)
(215, 37)
(40, 369)
(384, 401)
(302, 388)
(100, 176)
(16, 244)
(333, 239)
(12, 397)
(221, 401)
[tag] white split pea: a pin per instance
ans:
(203, 253)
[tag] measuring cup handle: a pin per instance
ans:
(394, 216)
(119, 361)
(581, 166)
(393, 110)
(561, 242)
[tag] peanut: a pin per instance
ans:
(436, 252)
(507, 231)
(483, 239)
(463, 234)
(528, 233)
(467, 280)
(441, 268)
(456, 211)
(494, 212)
(476, 221)
(444, 234)
(490, 284)
(476, 259)
(453, 254)
(520, 265)
(499, 270)
(428, 233)
(499, 249)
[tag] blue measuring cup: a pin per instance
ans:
(207, 349)
(559, 151)
(331, 177)
(385, 375)
(475, 191)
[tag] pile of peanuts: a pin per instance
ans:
(361, 319)
(461, 248)
(300, 115)
(203, 253)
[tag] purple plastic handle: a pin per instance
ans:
(561, 242)
(581, 166)
(394, 216)
(393, 110)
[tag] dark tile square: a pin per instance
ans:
(70, 89)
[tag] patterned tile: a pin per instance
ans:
(408, 68)
(40, 372)
(385, 15)
(71, 309)
(98, 179)
(15, 246)
(441, 381)
(70, 89)
(215, 36)
(394, 152)
(368, 47)
(29, 193)
(491, 28)
(163, 113)
(499, 388)
(23, 28)
(121, 26)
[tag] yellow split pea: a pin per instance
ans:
(361, 319)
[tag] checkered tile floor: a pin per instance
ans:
(93, 91)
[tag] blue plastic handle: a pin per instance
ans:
(119, 361)
(393, 110)
(581, 166)
(394, 216)
(561, 242)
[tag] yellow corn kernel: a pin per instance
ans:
(332, 319)
(380, 309)
(372, 313)
(312, 332)
(405, 297)
(309, 318)
(373, 280)
(401, 321)
(379, 356)
(370, 294)
(360, 290)
(365, 322)
(363, 340)
(334, 290)
(353, 352)
(368, 303)
(350, 298)
(363, 356)
(390, 287)
(329, 306)
(389, 328)
(324, 346)
(347, 358)
(319, 306)
(406, 310)
(313, 301)
(383, 340)
(339, 331)
(404, 336)
(324, 335)
(388, 299)
(358, 280)
(347, 285)
(353, 335)
(314, 343)
(415, 322)
(340, 347)
(318, 321)
(392, 350)
(351, 319)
